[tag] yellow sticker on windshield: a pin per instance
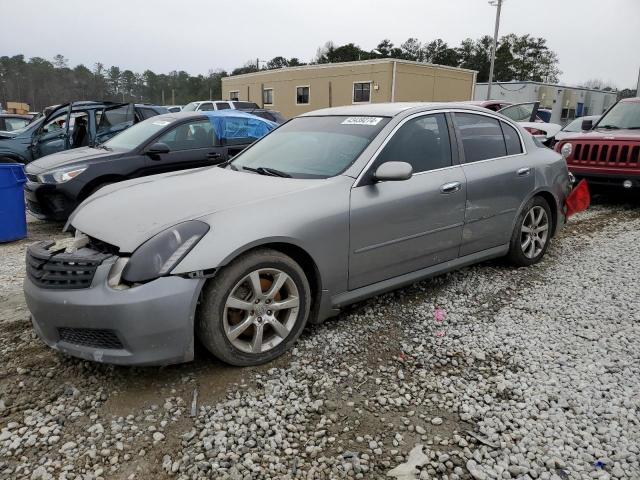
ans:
(362, 121)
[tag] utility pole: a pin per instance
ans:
(495, 3)
(173, 96)
(638, 86)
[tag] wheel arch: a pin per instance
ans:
(551, 201)
(88, 189)
(553, 206)
(300, 255)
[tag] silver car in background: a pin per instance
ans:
(333, 207)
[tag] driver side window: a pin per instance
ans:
(56, 124)
(189, 136)
(422, 142)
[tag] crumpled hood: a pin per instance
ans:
(126, 214)
(69, 158)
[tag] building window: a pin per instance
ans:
(302, 95)
(234, 96)
(361, 92)
(267, 96)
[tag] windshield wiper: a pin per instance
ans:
(268, 171)
(608, 127)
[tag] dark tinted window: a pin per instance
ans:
(205, 106)
(223, 106)
(511, 139)
(147, 113)
(481, 137)
(188, 136)
(423, 142)
(302, 95)
(244, 105)
(361, 92)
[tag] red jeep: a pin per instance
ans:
(607, 153)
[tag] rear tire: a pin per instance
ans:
(531, 234)
(254, 309)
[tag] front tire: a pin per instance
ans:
(531, 234)
(254, 309)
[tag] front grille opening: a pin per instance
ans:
(594, 153)
(635, 155)
(102, 247)
(576, 155)
(62, 270)
(603, 153)
(91, 337)
(614, 153)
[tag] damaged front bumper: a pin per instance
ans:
(148, 324)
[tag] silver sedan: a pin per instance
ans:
(333, 207)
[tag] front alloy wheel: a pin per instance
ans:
(532, 232)
(261, 310)
(254, 309)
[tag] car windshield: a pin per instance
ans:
(622, 115)
(190, 107)
(312, 147)
(32, 126)
(575, 126)
(136, 135)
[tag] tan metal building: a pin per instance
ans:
(297, 90)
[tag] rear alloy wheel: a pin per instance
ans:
(532, 232)
(255, 309)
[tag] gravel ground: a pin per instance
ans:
(490, 372)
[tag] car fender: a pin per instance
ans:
(314, 220)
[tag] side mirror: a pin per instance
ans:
(393, 172)
(158, 148)
(587, 124)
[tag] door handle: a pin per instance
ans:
(214, 156)
(451, 187)
(523, 172)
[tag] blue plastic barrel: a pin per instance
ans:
(13, 216)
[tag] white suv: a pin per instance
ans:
(218, 105)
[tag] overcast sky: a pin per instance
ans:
(593, 38)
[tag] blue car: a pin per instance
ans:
(57, 183)
(72, 125)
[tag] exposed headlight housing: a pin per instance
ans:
(61, 175)
(566, 150)
(158, 255)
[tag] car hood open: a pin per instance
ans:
(127, 214)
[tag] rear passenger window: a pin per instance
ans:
(511, 139)
(222, 106)
(422, 142)
(205, 107)
(481, 137)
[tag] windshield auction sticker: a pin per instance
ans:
(362, 121)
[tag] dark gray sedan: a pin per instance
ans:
(333, 207)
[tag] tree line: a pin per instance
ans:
(41, 82)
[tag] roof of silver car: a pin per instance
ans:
(388, 109)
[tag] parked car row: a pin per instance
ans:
(330, 208)
(72, 125)
(176, 141)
